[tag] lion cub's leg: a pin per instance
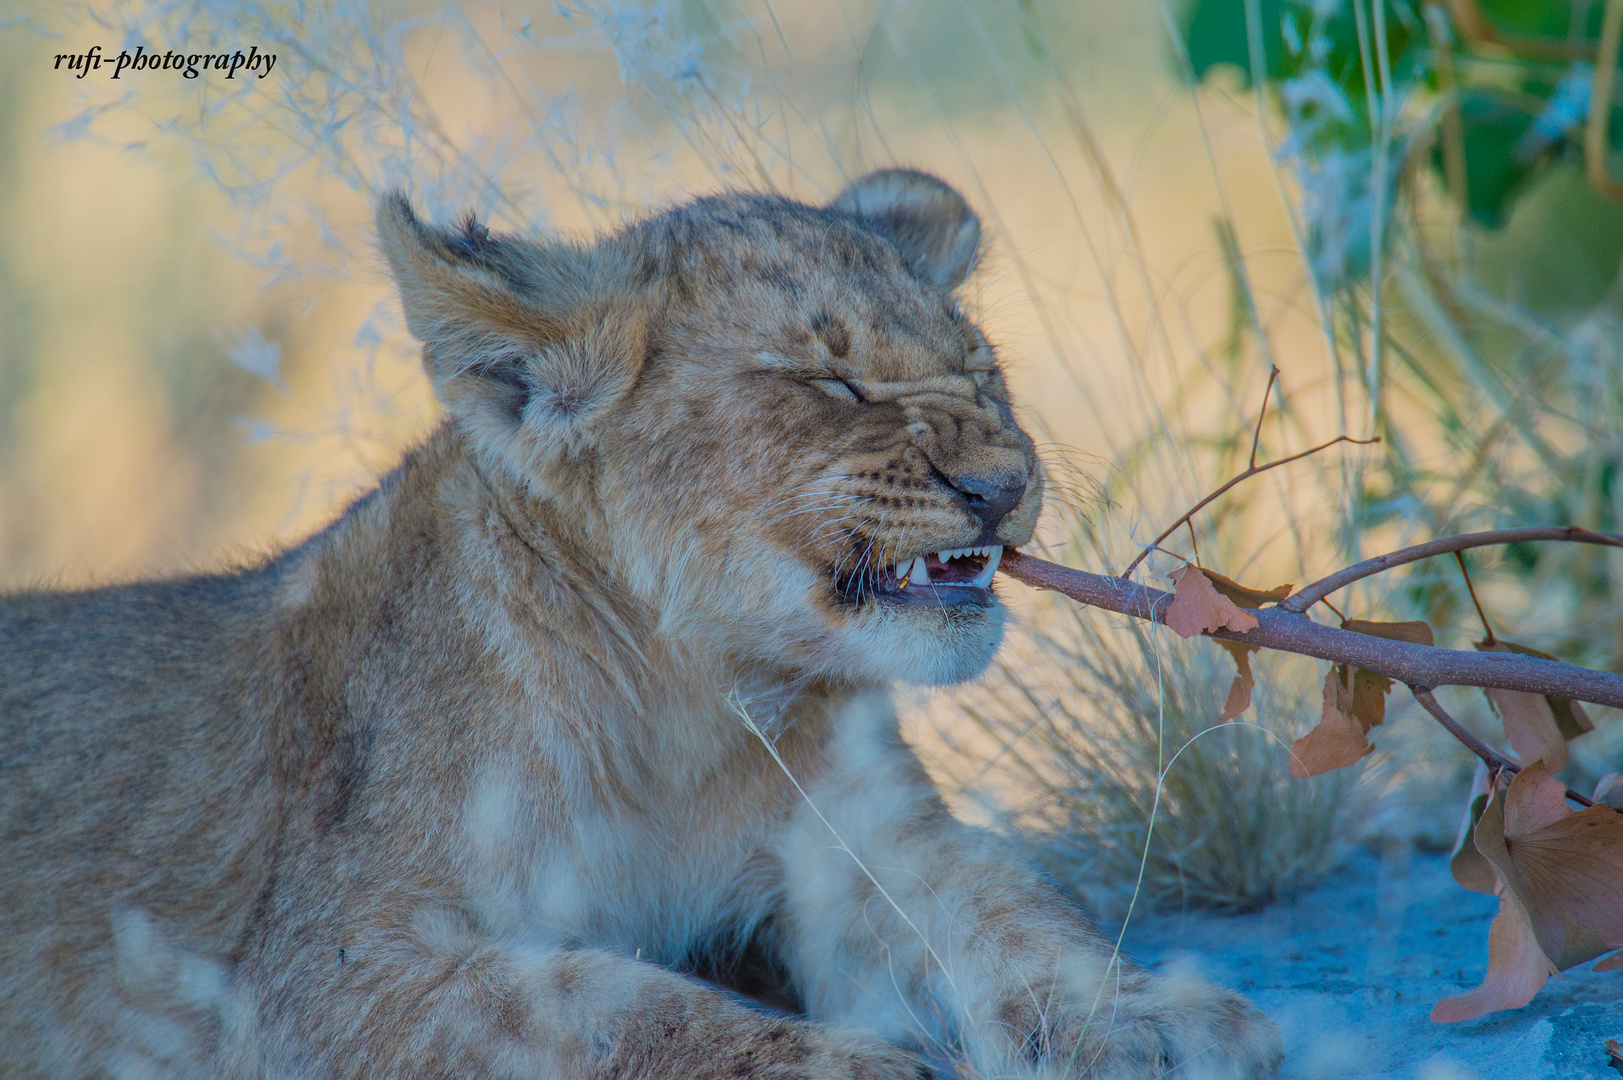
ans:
(955, 944)
(411, 1006)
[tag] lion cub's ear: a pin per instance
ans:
(928, 221)
(519, 336)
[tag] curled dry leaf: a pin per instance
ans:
(1564, 867)
(1198, 607)
(1244, 595)
(1560, 883)
(1467, 864)
(1517, 968)
(1530, 719)
(1239, 699)
(1354, 702)
(1338, 739)
(1614, 1054)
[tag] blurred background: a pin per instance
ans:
(1407, 207)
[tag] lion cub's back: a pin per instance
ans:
(106, 695)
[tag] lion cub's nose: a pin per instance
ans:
(990, 495)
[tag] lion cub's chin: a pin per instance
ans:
(922, 646)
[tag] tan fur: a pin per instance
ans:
(462, 785)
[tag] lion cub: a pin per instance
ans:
(586, 698)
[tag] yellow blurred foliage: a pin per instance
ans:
(121, 450)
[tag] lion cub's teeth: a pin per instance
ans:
(994, 554)
(919, 575)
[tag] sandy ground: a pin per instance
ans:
(1351, 971)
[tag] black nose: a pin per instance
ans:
(990, 495)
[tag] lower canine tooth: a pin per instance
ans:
(918, 574)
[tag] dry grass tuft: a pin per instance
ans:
(1107, 737)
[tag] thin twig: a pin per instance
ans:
(1312, 594)
(1481, 749)
(1262, 413)
(1459, 557)
(1248, 474)
(1286, 631)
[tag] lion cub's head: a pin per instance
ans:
(768, 421)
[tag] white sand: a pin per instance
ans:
(1350, 972)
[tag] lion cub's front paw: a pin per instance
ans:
(1155, 1027)
(794, 1050)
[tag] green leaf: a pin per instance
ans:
(1295, 40)
(1541, 18)
(1495, 173)
(1215, 33)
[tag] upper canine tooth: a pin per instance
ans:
(919, 575)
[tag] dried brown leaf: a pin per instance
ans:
(1517, 968)
(1611, 963)
(1564, 867)
(1338, 739)
(1529, 721)
(1570, 717)
(1467, 864)
(1244, 595)
(1414, 632)
(1369, 691)
(1239, 699)
(1198, 607)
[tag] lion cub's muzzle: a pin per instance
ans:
(959, 577)
(978, 468)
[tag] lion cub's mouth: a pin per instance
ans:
(956, 578)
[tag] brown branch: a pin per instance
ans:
(1289, 631)
(1481, 749)
(1312, 594)
(1494, 759)
(1248, 474)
